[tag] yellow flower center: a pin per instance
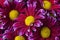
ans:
(29, 20)
(45, 32)
(46, 4)
(13, 14)
(19, 38)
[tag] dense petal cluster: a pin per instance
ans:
(30, 20)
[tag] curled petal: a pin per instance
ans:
(38, 23)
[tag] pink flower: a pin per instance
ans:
(54, 30)
(28, 21)
(9, 11)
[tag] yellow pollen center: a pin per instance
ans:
(29, 20)
(13, 14)
(46, 4)
(45, 32)
(19, 38)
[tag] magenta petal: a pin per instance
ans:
(22, 31)
(1, 39)
(41, 11)
(26, 33)
(54, 1)
(56, 38)
(34, 29)
(38, 23)
(3, 22)
(40, 16)
(31, 34)
(18, 25)
(56, 7)
(53, 21)
(18, 1)
(21, 17)
(30, 38)
(31, 7)
(7, 35)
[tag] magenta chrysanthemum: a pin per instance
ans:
(28, 21)
(51, 7)
(49, 25)
(9, 11)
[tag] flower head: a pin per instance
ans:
(51, 7)
(47, 31)
(29, 20)
(7, 35)
(9, 11)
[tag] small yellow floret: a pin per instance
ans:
(13, 14)
(45, 32)
(46, 4)
(29, 20)
(19, 38)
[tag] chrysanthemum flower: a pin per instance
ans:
(48, 31)
(9, 11)
(29, 20)
(53, 4)
(11, 35)
(52, 7)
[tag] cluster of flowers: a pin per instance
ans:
(30, 20)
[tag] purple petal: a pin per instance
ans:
(56, 38)
(38, 23)
(29, 38)
(22, 31)
(18, 1)
(6, 2)
(34, 29)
